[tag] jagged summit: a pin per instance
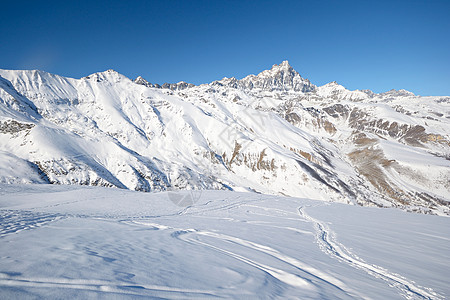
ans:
(171, 86)
(283, 66)
(396, 93)
(280, 77)
(140, 80)
(177, 86)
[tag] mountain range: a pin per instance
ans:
(272, 133)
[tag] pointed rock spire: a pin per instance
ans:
(280, 77)
(283, 66)
(140, 80)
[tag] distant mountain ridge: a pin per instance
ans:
(280, 77)
(274, 132)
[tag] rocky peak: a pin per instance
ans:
(397, 93)
(140, 80)
(177, 86)
(368, 92)
(280, 77)
(282, 70)
(171, 86)
(284, 66)
(229, 82)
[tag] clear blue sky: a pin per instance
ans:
(377, 45)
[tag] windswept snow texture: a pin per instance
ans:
(60, 242)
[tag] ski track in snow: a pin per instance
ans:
(328, 244)
(13, 221)
(306, 279)
(13, 280)
(309, 275)
(279, 266)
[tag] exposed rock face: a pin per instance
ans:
(12, 126)
(274, 132)
(280, 77)
(142, 81)
(171, 86)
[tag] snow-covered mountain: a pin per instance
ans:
(274, 133)
(280, 77)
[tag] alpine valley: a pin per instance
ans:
(272, 133)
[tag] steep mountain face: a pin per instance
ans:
(274, 132)
(280, 77)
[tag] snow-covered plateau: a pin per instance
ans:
(74, 242)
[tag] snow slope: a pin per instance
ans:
(273, 133)
(90, 242)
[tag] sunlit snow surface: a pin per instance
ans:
(78, 242)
